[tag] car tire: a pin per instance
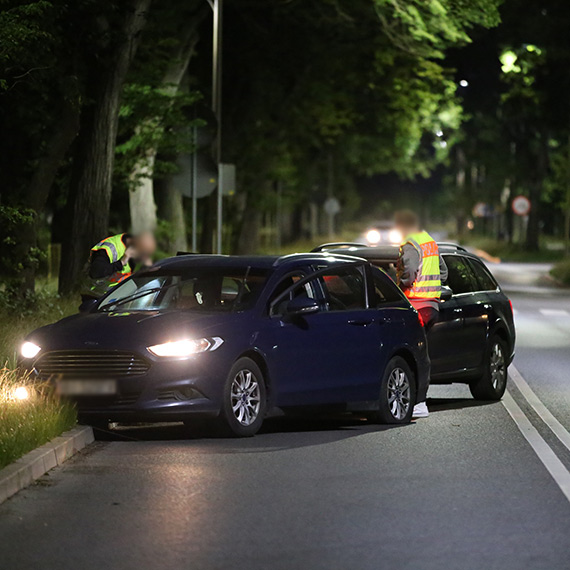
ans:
(491, 385)
(244, 399)
(397, 393)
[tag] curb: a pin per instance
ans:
(38, 462)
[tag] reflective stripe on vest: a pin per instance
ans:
(428, 280)
(115, 249)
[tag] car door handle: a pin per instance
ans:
(360, 322)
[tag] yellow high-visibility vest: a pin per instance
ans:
(427, 284)
(115, 249)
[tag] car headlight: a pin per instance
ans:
(186, 347)
(29, 349)
(395, 236)
(373, 236)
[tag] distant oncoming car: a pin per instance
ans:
(474, 340)
(382, 233)
(233, 337)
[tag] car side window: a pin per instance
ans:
(486, 280)
(385, 290)
(461, 277)
(344, 288)
(306, 290)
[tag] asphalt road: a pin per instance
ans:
(462, 490)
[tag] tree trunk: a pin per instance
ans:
(171, 209)
(141, 197)
(248, 240)
(38, 191)
(91, 181)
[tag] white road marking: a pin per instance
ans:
(555, 426)
(549, 459)
(554, 312)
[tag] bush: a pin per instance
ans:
(30, 415)
(20, 317)
(561, 271)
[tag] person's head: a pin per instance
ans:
(406, 221)
(144, 244)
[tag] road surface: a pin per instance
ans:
(474, 487)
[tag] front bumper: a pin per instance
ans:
(169, 391)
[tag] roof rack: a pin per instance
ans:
(451, 244)
(336, 244)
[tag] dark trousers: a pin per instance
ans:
(429, 317)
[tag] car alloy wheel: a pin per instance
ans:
(492, 383)
(399, 393)
(497, 367)
(245, 397)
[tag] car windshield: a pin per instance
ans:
(195, 288)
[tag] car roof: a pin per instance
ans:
(184, 260)
(388, 253)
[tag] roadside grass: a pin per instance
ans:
(30, 414)
(515, 252)
(19, 319)
(561, 271)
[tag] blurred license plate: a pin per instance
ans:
(87, 387)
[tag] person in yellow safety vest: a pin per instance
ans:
(114, 259)
(420, 273)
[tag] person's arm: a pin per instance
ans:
(101, 265)
(409, 266)
(443, 272)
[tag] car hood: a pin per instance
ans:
(129, 330)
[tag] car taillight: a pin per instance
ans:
(511, 304)
(420, 319)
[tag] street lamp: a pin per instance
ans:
(216, 6)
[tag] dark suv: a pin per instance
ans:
(474, 340)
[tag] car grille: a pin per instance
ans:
(90, 364)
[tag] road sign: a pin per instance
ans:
(331, 206)
(228, 176)
(206, 175)
(521, 206)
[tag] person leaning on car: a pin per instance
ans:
(114, 259)
(420, 273)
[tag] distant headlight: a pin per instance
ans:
(373, 236)
(29, 350)
(395, 236)
(187, 347)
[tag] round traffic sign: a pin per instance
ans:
(521, 206)
(331, 206)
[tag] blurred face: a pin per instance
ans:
(145, 244)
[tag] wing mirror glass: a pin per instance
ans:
(300, 306)
(446, 293)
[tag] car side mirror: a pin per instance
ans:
(87, 305)
(300, 306)
(446, 293)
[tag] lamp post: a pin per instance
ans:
(216, 6)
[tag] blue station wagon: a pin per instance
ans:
(232, 338)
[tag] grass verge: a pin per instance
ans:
(30, 415)
(514, 252)
(561, 271)
(28, 422)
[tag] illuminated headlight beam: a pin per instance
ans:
(186, 347)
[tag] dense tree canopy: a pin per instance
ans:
(96, 98)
